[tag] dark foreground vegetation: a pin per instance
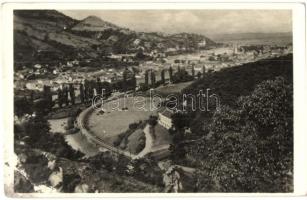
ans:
(247, 144)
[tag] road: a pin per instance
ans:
(148, 144)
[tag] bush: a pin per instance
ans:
(37, 130)
(141, 144)
(133, 126)
(36, 167)
(22, 106)
(56, 144)
(22, 184)
(70, 181)
(147, 170)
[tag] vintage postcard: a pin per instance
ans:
(138, 98)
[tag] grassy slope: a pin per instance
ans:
(172, 88)
(230, 83)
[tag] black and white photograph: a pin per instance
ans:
(152, 101)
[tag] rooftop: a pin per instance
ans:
(166, 112)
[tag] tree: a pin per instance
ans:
(198, 75)
(180, 120)
(125, 75)
(70, 182)
(41, 107)
(256, 139)
(107, 89)
(143, 87)
(98, 86)
(273, 97)
(65, 96)
(22, 106)
(146, 78)
(129, 80)
(72, 93)
(162, 76)
(153, 78)
(91, 90)
(60, 97)
(204, 71)
(82, 97)
(36, 128)
(181, 76)
(147, 170)
(48, 96)
(133, 81)
(86, 90)
(102, 160)
(178, 149)
(193, 72)
(170, 71)
(140, 55)
(153, 121)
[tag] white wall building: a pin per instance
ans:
(164, 118)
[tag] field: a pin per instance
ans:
(116, 119)
(172, 88)
(58, 125)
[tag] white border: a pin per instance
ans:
(300, 86)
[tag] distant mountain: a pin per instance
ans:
(286, 36)
(93, 23)
(49, 34)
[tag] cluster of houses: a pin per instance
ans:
(214, 59)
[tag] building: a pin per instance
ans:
(235, 49)
(164, 118)
(202, 44)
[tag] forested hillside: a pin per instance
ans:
(247, 144)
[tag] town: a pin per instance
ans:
(42, 74)
(101, 108)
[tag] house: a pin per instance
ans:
(75, 62)
(164, 118)
(202, 44)
(198, 68)
(69, 64)
(136, 42)
(55, 71)
(168, 50)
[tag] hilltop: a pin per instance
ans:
(93, 23)
(64, 38)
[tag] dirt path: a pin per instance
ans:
(148, 144)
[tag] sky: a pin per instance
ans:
(208, 22)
